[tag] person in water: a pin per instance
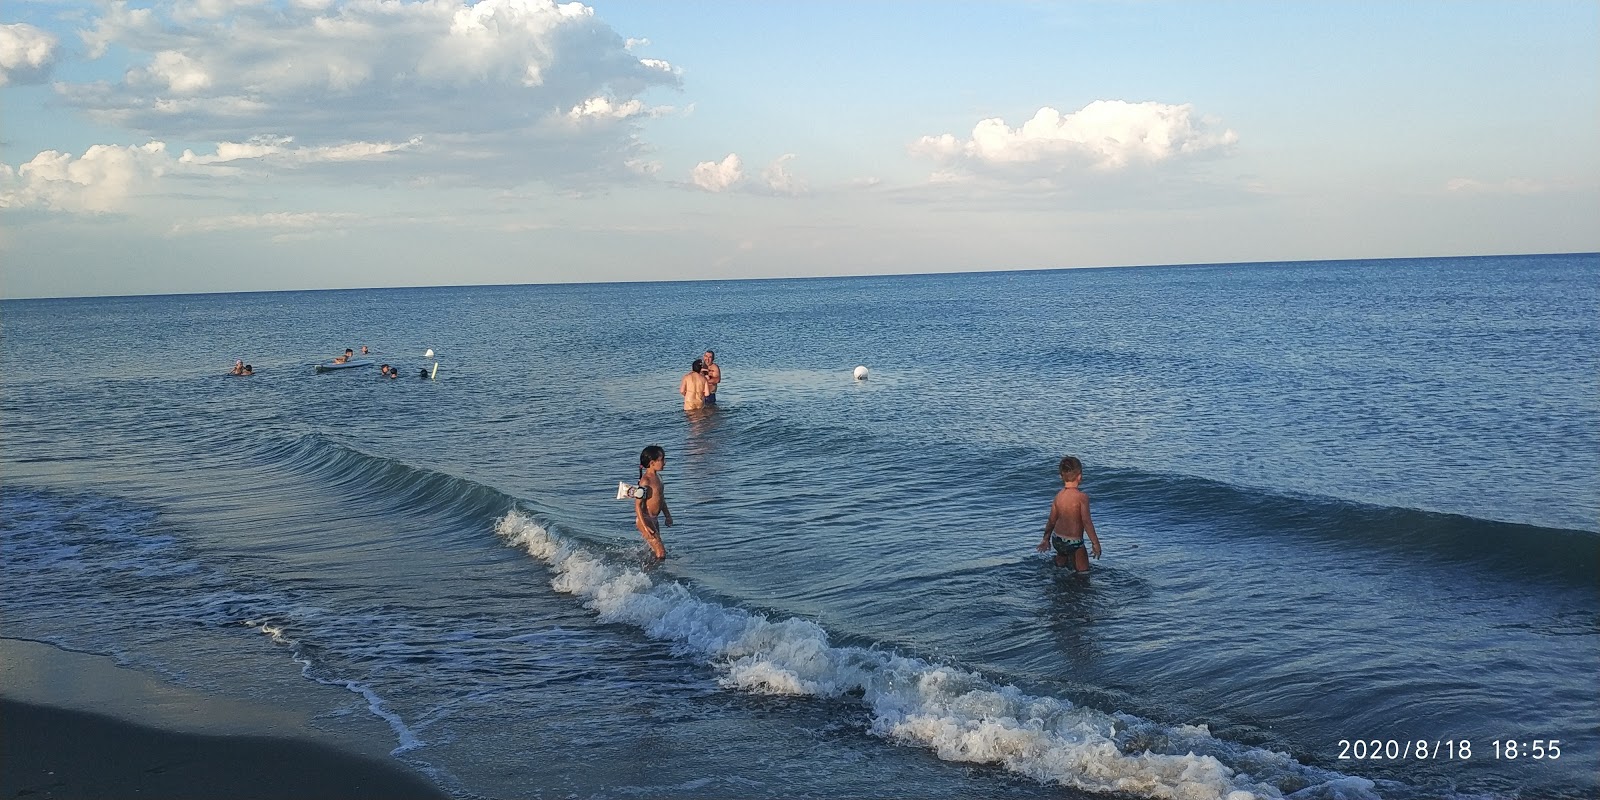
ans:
(693, 387)
(247, 371)
(238, 368)
(713, 375)
(653, 503)
(344, 359)
(1069, 520)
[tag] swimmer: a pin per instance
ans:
(693, 387)
(713, 375)
(652, 460)
(238, 368)
(345, 359)
(247, 371)
(1069, 520)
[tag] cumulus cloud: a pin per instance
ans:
(26, 54)
(1104, 136)
(495, 84)
(779, 179)
(728, 175)
(105, 177)
(714, 176)
(604, 108)
(99, 181)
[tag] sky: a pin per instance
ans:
(257, 145)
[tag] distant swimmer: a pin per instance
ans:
(348, 354)
(653, 502)
(1069, 520)
(363, 350)
(694, 387)
(238, 368)
(248, 371)
(387, 371)
(713, 375)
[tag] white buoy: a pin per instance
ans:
(861, 373)
(428, 354)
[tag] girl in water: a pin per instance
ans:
(653, 503)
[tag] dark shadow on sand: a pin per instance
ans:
(56, 753)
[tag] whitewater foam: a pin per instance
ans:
(958, 714)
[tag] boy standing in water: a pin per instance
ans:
(1069, 520)
(653, 503)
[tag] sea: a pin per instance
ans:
(1349, 515)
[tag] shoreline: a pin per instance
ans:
(78, 725)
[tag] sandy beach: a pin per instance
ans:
(155, 741)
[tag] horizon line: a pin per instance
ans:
(854, 276)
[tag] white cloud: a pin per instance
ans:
(278, 149)
(779, 179)
(106, 177)
(660, 66)
(1105, 136)
(280, 222)
(210, 9)
(174, 71)
(604, 108)
(641, 166)
(26, 54)
(99, 181)
(714, 176)
(495, 84)
(728, 175)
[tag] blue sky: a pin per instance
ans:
(236, 145)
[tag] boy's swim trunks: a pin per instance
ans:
(1066, 547)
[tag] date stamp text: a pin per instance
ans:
(1448, 749)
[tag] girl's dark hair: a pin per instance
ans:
(648, 455)
(697, 366)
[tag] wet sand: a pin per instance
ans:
(158, 742)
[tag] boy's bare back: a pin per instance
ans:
(1071, 508)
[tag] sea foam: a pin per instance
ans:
(960, 715)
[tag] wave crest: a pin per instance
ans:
(958, 714)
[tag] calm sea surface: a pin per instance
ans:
(1338, 502)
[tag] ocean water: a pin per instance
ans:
(1340, 502)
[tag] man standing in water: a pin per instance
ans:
(694, 387)
(713, 377)
(1069, 520)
